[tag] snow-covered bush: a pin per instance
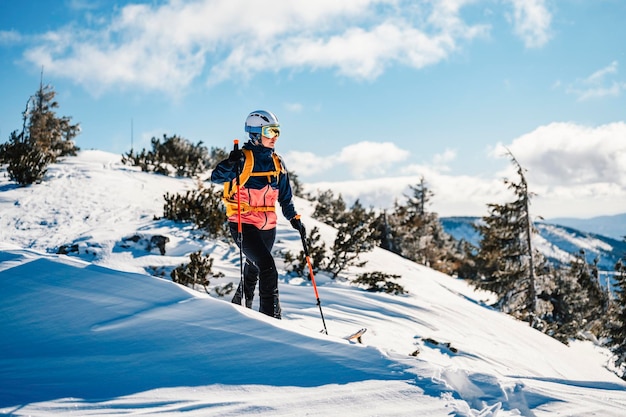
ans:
(196, 272)
(380, 282)
(297, 264)
(201, 206)
(26, 162)
(175, 156)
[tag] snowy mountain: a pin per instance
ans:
(611, 226)
(558, 243)
(98, 332)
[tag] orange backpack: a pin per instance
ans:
(230, 188)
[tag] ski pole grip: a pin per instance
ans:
(304, 245)
(236, 142)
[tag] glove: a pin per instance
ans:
(297, 224)
(235, 156)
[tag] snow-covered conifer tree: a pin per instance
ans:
(617, 327)
(54, 135)
(506, 260)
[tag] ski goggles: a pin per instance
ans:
(270, 131)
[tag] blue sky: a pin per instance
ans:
(371, 95)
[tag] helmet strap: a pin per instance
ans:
(255, 138)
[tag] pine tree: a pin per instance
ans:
(43, 139)
(329, 209)
(297, 264)
(26, 162)
(565, 316)
(415, 224)
(175, 155)
(617, 327)
(594, 302)
(216, 155)
(380, 282)
(197, 272)
(54, 135)
(416, 234)
(506, 259)
(355, 234)
(385, 234)
(202, 206)
(355, 230)
(296, 185)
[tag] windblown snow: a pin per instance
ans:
(99, 331)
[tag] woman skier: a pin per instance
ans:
(254, 179)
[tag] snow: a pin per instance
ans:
(99, 333)
(570, 243)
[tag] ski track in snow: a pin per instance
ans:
(92, 334)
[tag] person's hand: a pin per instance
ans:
(235, 156)
(296, 223)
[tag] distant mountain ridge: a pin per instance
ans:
(557, 242)
(611, 226)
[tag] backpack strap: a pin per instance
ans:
(278, 169)
(230, 188)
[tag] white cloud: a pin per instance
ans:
(442, 161)
(601, 83)
(166, 46)
(453, 195)
(363, 159)
(371, 158)
(8, 37)
(307, 163)
(568, 154)
(531, 22)
(464, 195)
(574, 170)
(599, 75)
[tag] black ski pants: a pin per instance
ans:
(257, 246)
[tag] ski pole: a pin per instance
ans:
(308, 262)
(239, 228)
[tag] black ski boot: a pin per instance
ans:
(270, 307)
(268, 293)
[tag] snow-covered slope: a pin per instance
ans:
(93, 334)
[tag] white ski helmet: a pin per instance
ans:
(256, 120)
